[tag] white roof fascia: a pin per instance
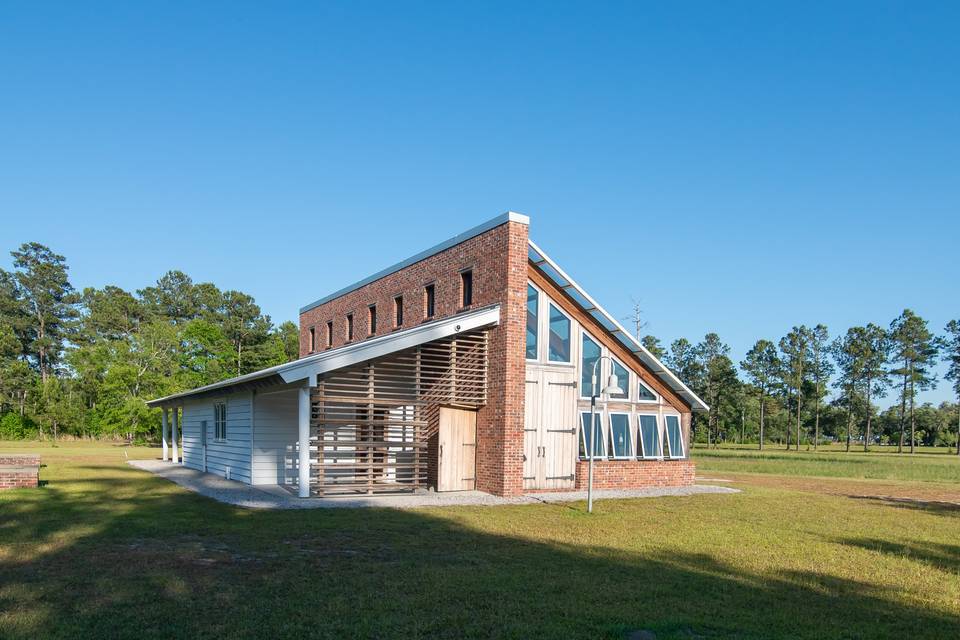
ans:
(377, 347)
(648, 358)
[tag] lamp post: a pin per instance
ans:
(608, 390)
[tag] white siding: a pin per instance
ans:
(232, 453)
(275, 438)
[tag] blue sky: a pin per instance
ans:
(736, 167)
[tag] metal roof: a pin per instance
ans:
(509, 216)
(565, 283)
(310, 367)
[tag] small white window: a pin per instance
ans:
(220, 421)
(585, 438)
(674, 436)
(559, 341)
(644, 394)
(621, 444)
(650, 445)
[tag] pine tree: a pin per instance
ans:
(821, 368)
(915, 351)
(952, 348)
(795, 355)
(761, 365)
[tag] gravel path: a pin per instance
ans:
(274, 497)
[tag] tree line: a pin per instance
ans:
(84, 363)
(809, 388)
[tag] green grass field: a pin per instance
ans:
(104, 550)
(881, 463)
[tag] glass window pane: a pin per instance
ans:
(674, 436)
(586, 440)
(649, 437)
(589, 354)
(559, 336)
(623, 379)
(645, 393)
(620, 445)
(533, 315)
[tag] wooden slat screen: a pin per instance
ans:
(371, 422)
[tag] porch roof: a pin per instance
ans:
(309, 367)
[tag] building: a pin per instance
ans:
(467, 366)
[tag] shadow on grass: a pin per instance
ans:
(125, 554)
(946, 556)
(929, 506)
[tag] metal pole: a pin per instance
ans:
(592, 447)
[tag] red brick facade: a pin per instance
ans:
(498, 260)
(637, 474)
(17, 472)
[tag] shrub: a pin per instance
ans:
(13, 426)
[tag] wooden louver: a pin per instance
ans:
(371, 422)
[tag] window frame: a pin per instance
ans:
(627, 387)
(551, 306)
(585, 390)
(641, 451)
(536, 329)
(329, 333)
(398, 311)
(466, 288)
(630, 448)
(656, 396)
(220, 422)
(349, 327)
(372, 320)
(313, 339)
(602, 439)
(666, 431)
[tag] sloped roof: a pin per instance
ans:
(590, 306)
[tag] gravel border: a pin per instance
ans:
(275, 497)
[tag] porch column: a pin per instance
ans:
(163, 432)
(303, 440)
(173, 436)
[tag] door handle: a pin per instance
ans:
(441, 451)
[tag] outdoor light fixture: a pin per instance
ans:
(611, 389)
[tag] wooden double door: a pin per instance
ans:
(550, 429)
(457, 450)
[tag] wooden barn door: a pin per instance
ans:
(533, 471)
(559, 429)
(550, 430)
(457, 450)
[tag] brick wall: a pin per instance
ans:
(18, 472)
(637, 474)
(498, 259)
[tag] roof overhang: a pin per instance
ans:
(590, 306)
(308, 368)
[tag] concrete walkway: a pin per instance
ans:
(274, 497)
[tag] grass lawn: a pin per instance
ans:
(104, 550)
(929, 464)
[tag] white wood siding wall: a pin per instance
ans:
(232, 453)
(275, 438)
